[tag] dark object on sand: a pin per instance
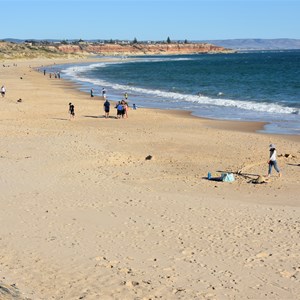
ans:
(149, 157)
(19, 100)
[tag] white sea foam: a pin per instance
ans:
(75, 74)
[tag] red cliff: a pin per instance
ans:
(142, 49)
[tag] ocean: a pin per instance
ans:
(250, 86)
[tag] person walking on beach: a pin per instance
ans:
(104, 93)
(273, 161)
(120, 110)
(3, 90)
(71, 111)
(126, 96)
(126, 107)
(92, 93)
(106, 106)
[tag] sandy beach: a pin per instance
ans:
(85, 216)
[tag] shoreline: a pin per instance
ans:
(221, 124)
(271, 128)
(244, 126)
(84, 214)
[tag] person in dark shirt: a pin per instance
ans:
(106, 106)
(71, 111)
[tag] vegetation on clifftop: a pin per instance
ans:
(64, 49)
(10, 50)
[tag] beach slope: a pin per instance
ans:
(85, 216)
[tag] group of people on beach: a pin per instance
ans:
(122, 109)
(103, 93)
(54, 74)
(122, 106)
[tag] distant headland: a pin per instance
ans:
(258, 44)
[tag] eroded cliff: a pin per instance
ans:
(143, 49)
(29, 50)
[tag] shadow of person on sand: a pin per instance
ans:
(100, 117)
(60, 119)
(212, 178)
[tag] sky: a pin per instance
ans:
(154, 20)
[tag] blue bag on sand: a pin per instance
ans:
(227, 177)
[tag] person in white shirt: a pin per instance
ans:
(104, 93)
(272, 161)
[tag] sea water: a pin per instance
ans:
(249, 86)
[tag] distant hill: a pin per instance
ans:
(258, 44)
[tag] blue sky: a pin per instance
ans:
(149, 19)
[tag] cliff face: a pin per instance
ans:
(29, 50)
(142, 49)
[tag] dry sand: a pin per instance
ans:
(85, 216)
